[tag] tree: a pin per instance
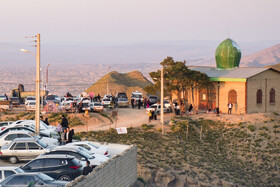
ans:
(177, 78)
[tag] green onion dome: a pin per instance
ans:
(228, 54)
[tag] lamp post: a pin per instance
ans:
(37, 111)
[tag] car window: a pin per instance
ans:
(39, 163)
(20, 146)
(53, 162)
(24, 136)
(11, 137)
(8, 173)
(84, 146)
(0, 174)
(13, 146)
(21, 180)
(32, 145)
(76, 155)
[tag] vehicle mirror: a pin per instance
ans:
(83, 159)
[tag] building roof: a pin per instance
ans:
(234, 75)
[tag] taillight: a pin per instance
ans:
(106, 153)
(1, 153)
(75, 167)
(3, 128)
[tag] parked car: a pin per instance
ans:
(50, 131)
(31, 179)
(29, 99)
(8, 171)
(14, 101)
(123, 102)
(7, 138)
(92, 148)
(86, 105)
(121, 95)
(106, 102)
(152, 99)
(156, 108)
(53, 98)
(31, 106)
(137, 95)
(59, 167)
(3, 98)
(24, 149)
(8, 129)
(96, 107)
(5, 123)
(82, 156)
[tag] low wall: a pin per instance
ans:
(120, 170)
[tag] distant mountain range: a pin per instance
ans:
(269, 56)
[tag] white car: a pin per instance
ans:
(106, 102)
(156, 108)
(8, 137)
(96, 107)
(102, 150)
(50, 131)
(31, 106)
(80, 154)
(86, 105)
(8, 171)
(30, 99)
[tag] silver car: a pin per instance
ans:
(21, 149)
(8, 171)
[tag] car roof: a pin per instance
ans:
(19, 131)
(55, 156)
(67, 148)
(8, 167)
(24, 139)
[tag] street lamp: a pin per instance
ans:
(37, 111)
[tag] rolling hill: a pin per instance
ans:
(268, 56)
(120, 82)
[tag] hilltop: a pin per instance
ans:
(120, 82)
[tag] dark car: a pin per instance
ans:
(59, 167)
(31, 179)
(152, 99)
(7, 129)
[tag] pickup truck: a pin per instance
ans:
(5, 105)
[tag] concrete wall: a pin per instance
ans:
(264, 81)
(119, 171)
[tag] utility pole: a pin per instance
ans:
(47, 77)
(37, 113)
(161, 102)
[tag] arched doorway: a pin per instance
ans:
(232, 97)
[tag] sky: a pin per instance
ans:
(126, 21)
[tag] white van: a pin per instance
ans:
(136, 96)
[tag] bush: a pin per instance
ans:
(252, 128)
(146, 127)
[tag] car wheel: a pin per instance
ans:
(13, 159)
(65, 178)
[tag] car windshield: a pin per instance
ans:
(42, 143)
(106, 99)
(93, 145)
(85, 154)
(45, 177)
(97, 104)
(31, 98)
(32, 103)
(13, 99)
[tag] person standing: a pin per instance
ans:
(139, 103)
(67, 135)
(46, 121)
(145, 102)
(230, 105)
(132, 102)
(6, 97)
(64, 123)
(70, 135)
(150, 116)
(87, 169)
(63, 137)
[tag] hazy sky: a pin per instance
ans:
(140, 20)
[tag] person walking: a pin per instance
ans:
(64, 123)
(230, 105)
(87, 169)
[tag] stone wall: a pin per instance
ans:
(121, 170)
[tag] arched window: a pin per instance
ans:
(272, 96)
(232, 96)
(259, 96)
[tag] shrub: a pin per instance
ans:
(252, 128)
(146, 127)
